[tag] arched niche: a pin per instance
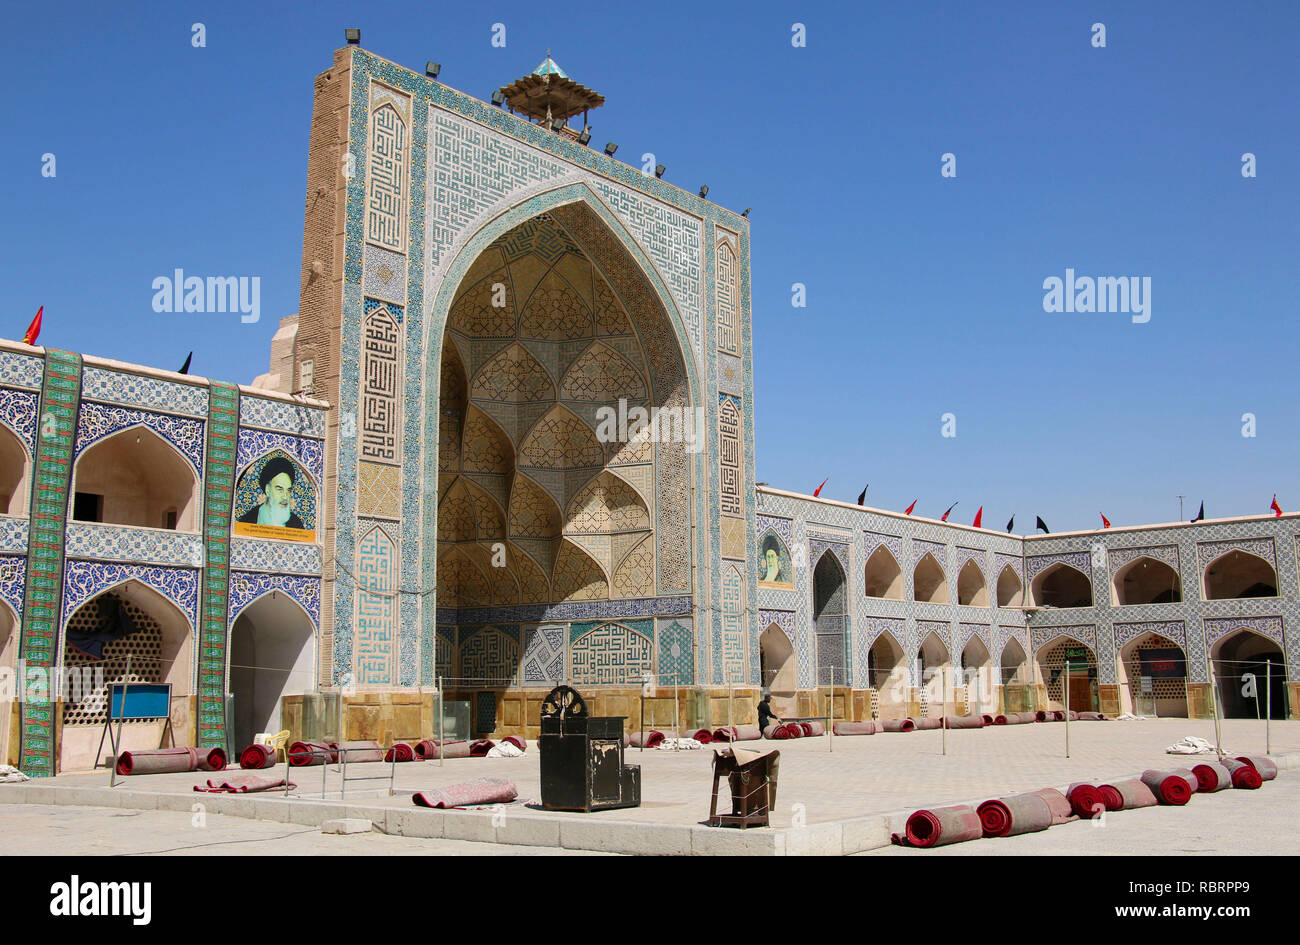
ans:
(778, 667)
(1011, 593)
(1164, 662)
(972, 589)
(887, 675)
(1245, 651)
(1060, 585)
(883, 576)
(272, 655)
(1239, 574)
(978, 676)
(135, 477)
(929, 583)
(1060, 654)
(1146, 580)
(15, 471)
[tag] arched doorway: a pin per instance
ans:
(929, 583)
(1010, 590)
(972, 590)
(1062, 586)
(1146, 581)
(778, 668)
(887, 676)
(1153, 677)
(1081, 661)
(8, 670)
(829, 620)
(271, 656)
(14, 466)
(936, 678)
(884, 578)
(1239, 574)
(565, 416)
(1016, 676)
(978, 678)
(1243, 652)
(135, 477)
(130, 619)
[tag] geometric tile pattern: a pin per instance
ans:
(1259, 547)
(147, 393)
(543, 662)
(85, 579)
(257, 443)
(20, 370)
(376, 619)
(489, 656)
(13, 577)
(281, 417)
(126, 543)
(676, 640)
(247, 588)
(18, 412)
(610, 653)
(1173, 630)
(13, 534)
(251, 554)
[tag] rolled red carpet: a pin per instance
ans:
(725, 734)
(855, 728)
(776, 732)
(1212, 777)
(1111, 797)
(927, 724)
(400, 752)
(1170, 788)
(1027, 717)
(255, 757)
(1011, 816)
(816, 728)
(1243, 775)
(426, 749)
(1086, 800)
(1004, 720)
(988, 719)
(965, 721)
(943, 825)
(1042, 716)
(703, 736)
(907, 725)
(1058, 716)
(1091, 716)
(518, 741)
(159, 761)
(1058, 803)
(747, 733)
(1133, 794)
(1261, 763)
(896, 725)
(479, 748)
(303, 754)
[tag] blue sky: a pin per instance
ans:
(924, 293)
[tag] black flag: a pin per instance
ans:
(1201, 514)
(185, 368)
(863, 498)
(1043, 526)
(1011, 523)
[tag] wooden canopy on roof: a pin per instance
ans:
(533, 95)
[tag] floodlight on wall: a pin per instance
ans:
(498, 98)
(659, 170)
(353, 36)
(746, 213)
(610, 148)
(584, 139)
(704, 190)
(558, 124)
(431, 69)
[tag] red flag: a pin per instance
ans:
(818, 490)
(34, 329)
(945, 514)
(910, 507)
(1105, 522)
(979, 517)
(1277, 509)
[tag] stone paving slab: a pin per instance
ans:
(841, 801)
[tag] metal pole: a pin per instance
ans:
(1214, 706)
(641, 730)
(943, 720)
(731, 715)
(1268, 711)
(1067, 707)
(440, 731)
(831, 713)
(677, 718)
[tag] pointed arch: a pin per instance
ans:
(883, 576)
(15, 473)
(468, 513)
(577, 576)
(1011, 593)
(1146, 580)
(1243, 651)
(1053, 658)
(271, 655)
(972, 589)
(460, 582)
(135, 477)
(607, 504)
(634, 576)
(601, 374)
(1014, 664)
(777, 664)
(476, 310)
(560, 440)
(929, 582)
(486, 448)
(1238, 574)
(1061, 585)
(533, 512)
(513, 375)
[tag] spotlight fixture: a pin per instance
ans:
(611, 148)
(585, 138)
(498, 98)
(353, 36)
(558, 124)
(431, 69)
(659, 170)
(704, 190)
(746, 213)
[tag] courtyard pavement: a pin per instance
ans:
(865, 785)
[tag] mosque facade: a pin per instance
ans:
(508, 442)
